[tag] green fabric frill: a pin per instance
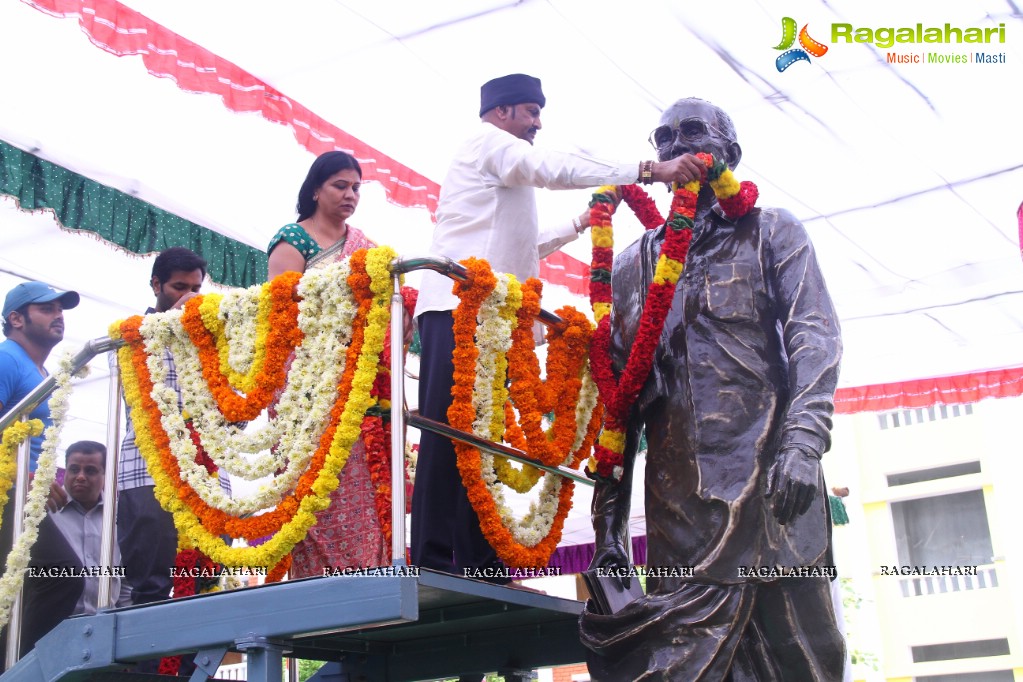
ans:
(81, 204)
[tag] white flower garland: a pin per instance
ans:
(35, 505)
(239, 312)
(325, 317)
(588, 397)
(493, 336)
(309, 390)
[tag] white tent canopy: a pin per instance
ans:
(908, 176)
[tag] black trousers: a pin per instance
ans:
(446, 533)
(148, 542)
(48, 601)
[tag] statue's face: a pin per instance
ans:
(690, 127)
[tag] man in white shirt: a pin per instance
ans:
(487, 209)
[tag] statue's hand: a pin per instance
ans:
(792, 482)
(612, 556)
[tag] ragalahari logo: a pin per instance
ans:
(808, 46)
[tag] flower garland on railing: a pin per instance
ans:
(13, 436)
(560, 392)
(46, 471)
(376, 431)
(489, 307)
(619, 394)
(281, 339)
(325, 317)
(192, 576)
(168, 450)
(520, 480)
(495, 321)
(302, 411)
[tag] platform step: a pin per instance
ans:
(115, 676)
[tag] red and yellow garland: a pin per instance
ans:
(186, 562)
(619, 394)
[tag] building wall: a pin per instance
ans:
(571, 673)
(888, 623)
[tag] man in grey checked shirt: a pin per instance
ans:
(147, 537)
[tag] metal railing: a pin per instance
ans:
(959, 579)
(399, 418)
(21, 411)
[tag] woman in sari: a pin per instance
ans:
(347, 533)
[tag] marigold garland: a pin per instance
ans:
(497, 319)
(289, 521)
(566, 355)
(277, 573)
(35, 504)
(281, 339)
(326, 313)
(13, 436)
(376, 436)
(520, 480)
(619, 394)
(531, 541)
(240, 324)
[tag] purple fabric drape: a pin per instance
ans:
(576, 558)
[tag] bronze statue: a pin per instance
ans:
(737, 410)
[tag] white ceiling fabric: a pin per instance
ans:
(908, 177)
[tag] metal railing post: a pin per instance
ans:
(21, 410)
(106, 551)
(17, 528)
(397, 423)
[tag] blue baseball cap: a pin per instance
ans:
(38, 292)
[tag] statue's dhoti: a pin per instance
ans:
(762, 632)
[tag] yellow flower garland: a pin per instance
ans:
(13, 436)
(358, 401)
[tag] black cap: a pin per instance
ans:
(516, 88)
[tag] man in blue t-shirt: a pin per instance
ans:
(33, 322)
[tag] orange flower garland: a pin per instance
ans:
(284, 335)
(161, 460)
(560, 392)
(478, 286)
(277, 573)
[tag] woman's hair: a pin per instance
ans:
(323, 167)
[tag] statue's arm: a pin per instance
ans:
(611, 507)
(810, 334)
(813, 345)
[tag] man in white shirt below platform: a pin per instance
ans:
(487, 209)
(63, 578)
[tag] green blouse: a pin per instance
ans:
(295, 234)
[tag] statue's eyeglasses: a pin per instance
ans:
(688, 129)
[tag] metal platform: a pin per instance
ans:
(390, 629)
